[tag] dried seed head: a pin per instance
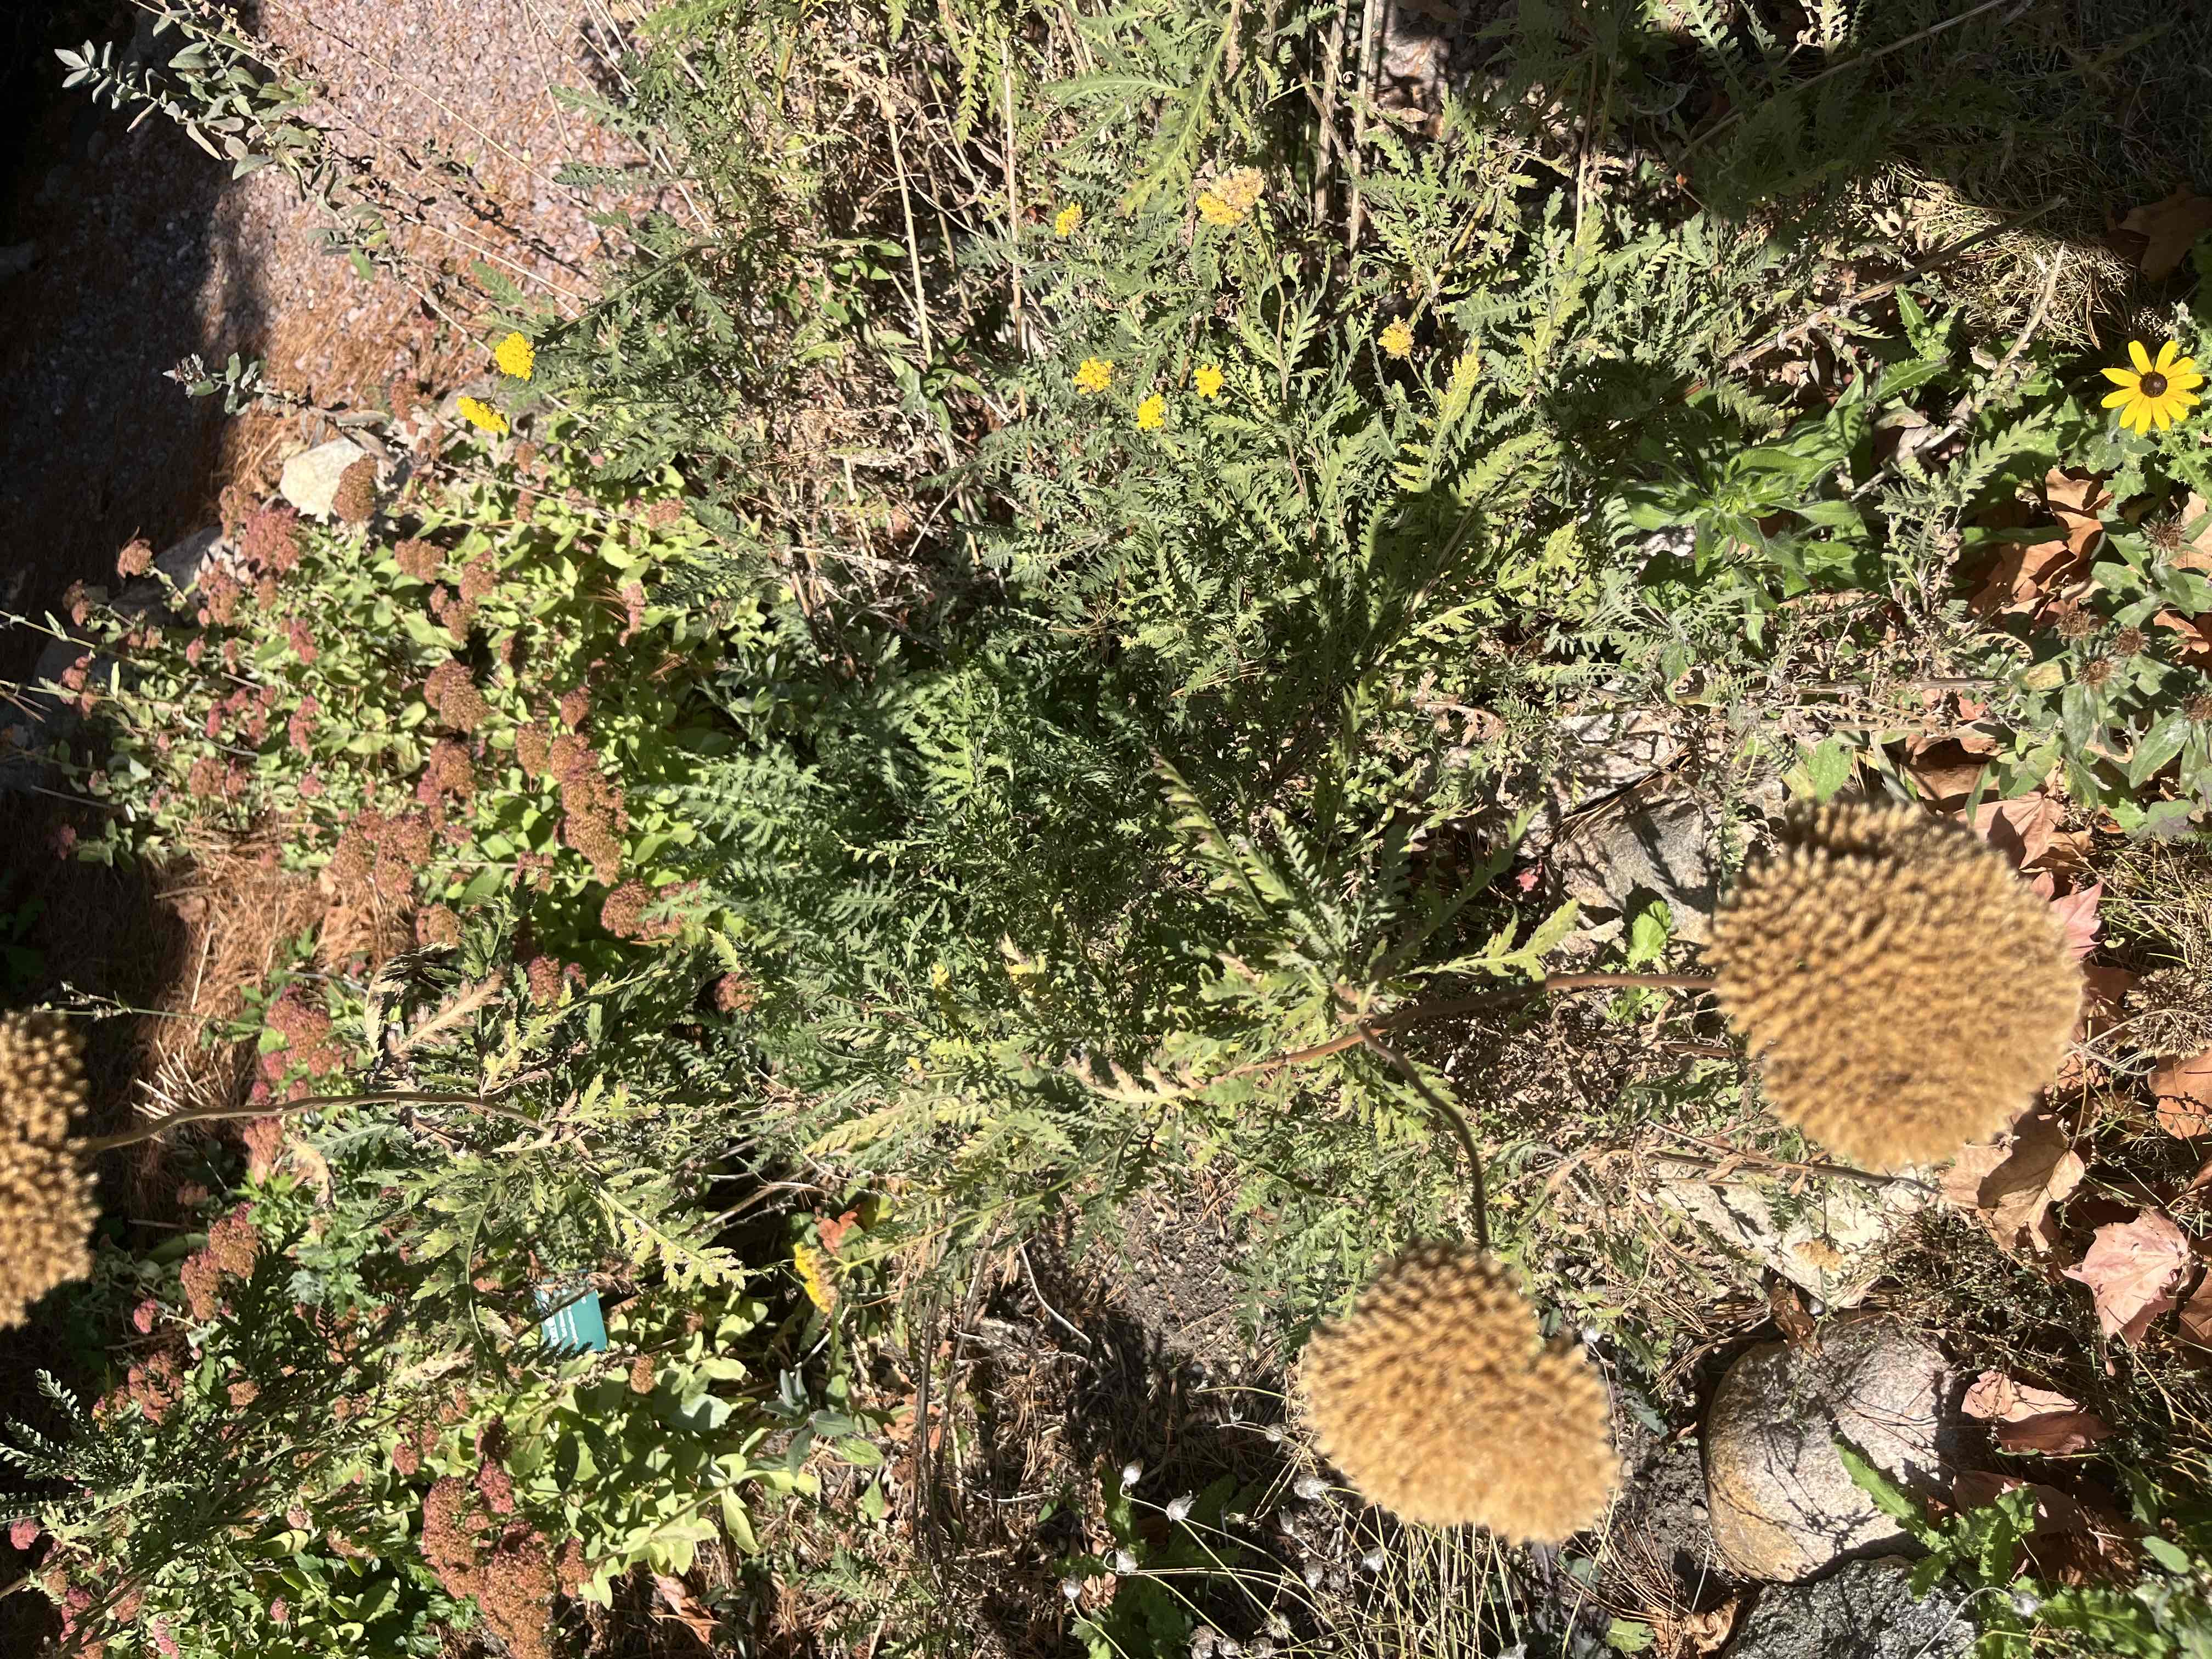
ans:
(1438, 1399)
(47, 1209)
(2131, 642)
(2097, 672)
(353, 502)
(1904, 992)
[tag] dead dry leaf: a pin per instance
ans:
(2079, 911)
(2028, 1419)
(2169, 228)
(2196, 1318)
(686, 1608)
(2131, 1269)
(2183, 1089)
(2011, 1186)
(2055, 1512)
(1996, 1398)
(2022, 829)
(2057, 1433)
(2196, 554)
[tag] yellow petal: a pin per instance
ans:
(2138, 417)
(2126, 377)
(2182, 400)
(2163, 415)
(2166, 354)
(2181, 381)
(2141, 358)
(2113, 400)
(2181, 366)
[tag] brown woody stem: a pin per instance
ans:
(277, 1108)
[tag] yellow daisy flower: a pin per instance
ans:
(2160, 390)
(1152, 413)
(515, 356)
(1069, 220)
(1397, 339)
(1095, 375)
(1207, 380)
(482, 415)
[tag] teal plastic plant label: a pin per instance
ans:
(577, 1325)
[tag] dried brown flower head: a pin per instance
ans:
(353, 502)
(2131, 642)
(1902, 990)
(269, 540)
(623, 913)
(2077, 625)
(2097, 672)
(1440, 1400)
(2170, 1012)
(2199, 708)
(47, 1209)
(2166, 535)
(418, 558)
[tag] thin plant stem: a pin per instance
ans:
(99, 1144)
(1452, 1115)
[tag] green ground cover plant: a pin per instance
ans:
(987, 668)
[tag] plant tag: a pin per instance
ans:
(578, 1324)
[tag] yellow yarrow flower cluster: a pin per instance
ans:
(814, 1276)
(515, 356)
(1396, 339)
(1207, 380)
(1229, 199)
(1095, 375)
(1152, 413)
(2161, 391)
(1069, 220)
(483, 416)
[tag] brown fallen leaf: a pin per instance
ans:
(2196, 1317)
(686, 1608)
(2196, 553)
(1997, 1398)
(2132, 1268)
(1796, 1324)
(2183, 1089)
(2022, 829)
(2028, 1419)
(2169, 228)
(2054, 1432)
(2055, 1512)
(2011, 1186)
(2079, 911)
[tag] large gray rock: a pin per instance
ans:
(1666, 848)
(1865, 1610)
(311, 477)
(1783, 1506)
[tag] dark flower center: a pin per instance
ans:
(2153, 385)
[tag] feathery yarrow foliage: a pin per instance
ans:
(47, 1208)
(1439, 1398)
(1902, 989)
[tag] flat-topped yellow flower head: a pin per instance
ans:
(2160, 390)
(515, 356)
